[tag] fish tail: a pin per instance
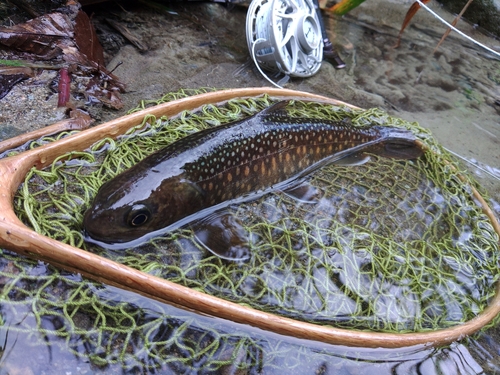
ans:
(397, 143)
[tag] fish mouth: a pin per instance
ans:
(106, 240)
(96, 227)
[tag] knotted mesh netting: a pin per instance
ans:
(389, 246)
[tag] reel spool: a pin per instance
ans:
(285, 36)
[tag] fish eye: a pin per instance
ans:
(138, 215)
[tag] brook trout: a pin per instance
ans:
(235, 162)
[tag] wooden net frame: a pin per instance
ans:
(15, 236)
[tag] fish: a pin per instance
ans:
(194, 180)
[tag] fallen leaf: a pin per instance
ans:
(69, 37)
(78, 120)
(44, 37)
(86, 38)
(344, 6)
(12, 75)
(409, 15)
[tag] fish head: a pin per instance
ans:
(118, 224)
(124, 211)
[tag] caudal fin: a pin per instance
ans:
(397, 143)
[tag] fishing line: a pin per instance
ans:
(257, 63)
(491, 174)
(456, 30)
(262, 37)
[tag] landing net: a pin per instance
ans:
(387, 246)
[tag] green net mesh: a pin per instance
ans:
(112, 327)
(387, 246)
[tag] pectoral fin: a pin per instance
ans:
(222, 234)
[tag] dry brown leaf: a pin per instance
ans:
(86, 38)
(44, 36)
(70, 37)
(10, 76)
(409, 15)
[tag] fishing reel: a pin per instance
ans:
(285, 36)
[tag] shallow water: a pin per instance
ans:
(104, 329)
(200, 343)
(453, 94)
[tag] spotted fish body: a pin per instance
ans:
(218, 166)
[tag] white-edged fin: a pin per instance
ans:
(304, 193)
(222, 234)
(355, 159)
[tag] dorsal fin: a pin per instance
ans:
(277, 109)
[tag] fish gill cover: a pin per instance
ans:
(392, 246)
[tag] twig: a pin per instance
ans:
(125, 32)
(458, 31)
(80, 121)
(24, 6)
(447, 32)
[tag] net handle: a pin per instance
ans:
(15, 236)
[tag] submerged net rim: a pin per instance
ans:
(403, 339)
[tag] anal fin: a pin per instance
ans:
(354, 159)
(304, 193)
